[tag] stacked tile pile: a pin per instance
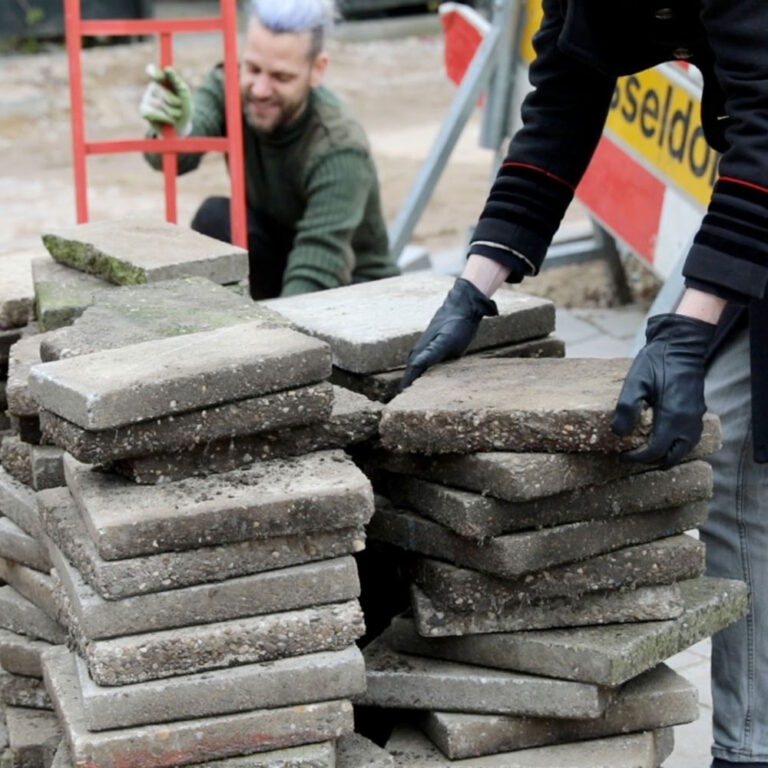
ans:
(212, 617)
(372, 327)
(28, 616)
(549, 580)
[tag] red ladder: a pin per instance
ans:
(169, 145)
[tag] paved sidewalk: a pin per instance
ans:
(611, 333)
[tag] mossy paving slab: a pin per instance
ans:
(608, 655)
(153, 311)
(132, 251)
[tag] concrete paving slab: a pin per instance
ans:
(608, 655)
(526, 476)
(187, 741)
(668, 560)
(401, 681)
(309, 756)
(18, 503)
(321, 491)
(118, 579)
(22, 548)
(514, 554)
(24, 354)
(16, 460)
(644, 750)
(354, 420)
(17, 295)
(373, 326)
(281, 683)
(61, 293)
(132, 251)
(320, 583)
(33, 735)
(35, 586)
(477, 516)
(560, 406)
(616, 322)
(19, 615)
(281, 410)
(156, 378)
(38, 466)
(19, 691)
(384, 386)
(613, 607)
(20, 655)
(189, 650)
(153, 311)
(657, 699)
(355, 751)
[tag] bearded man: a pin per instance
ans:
(314, 208)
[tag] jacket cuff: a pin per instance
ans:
(737, 276)
(512, 244)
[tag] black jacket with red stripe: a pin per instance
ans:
(582, 47)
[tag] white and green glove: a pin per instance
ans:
(167, 101)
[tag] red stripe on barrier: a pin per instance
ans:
(625, 197)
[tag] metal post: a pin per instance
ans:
(463, 104)
(496, 116)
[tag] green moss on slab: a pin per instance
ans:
(87, 258)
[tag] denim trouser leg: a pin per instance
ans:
(736, 536)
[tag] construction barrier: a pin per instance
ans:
(652, 174)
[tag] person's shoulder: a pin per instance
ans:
(334, 127)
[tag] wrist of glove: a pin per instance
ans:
(668, 375)
(167, 101)
(451, 330)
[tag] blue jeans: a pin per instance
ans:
(736, 536)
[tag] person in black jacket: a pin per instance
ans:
(720, 327)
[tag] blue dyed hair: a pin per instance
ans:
(296, 16)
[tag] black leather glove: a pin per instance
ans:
(452, 329)
(668, 374)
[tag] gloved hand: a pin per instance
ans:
(167, 101)
(668, 374)
(451, 330)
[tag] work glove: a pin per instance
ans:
(668, 374)
(452, 329)
(167, 101)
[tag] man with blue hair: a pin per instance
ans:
(314, 209)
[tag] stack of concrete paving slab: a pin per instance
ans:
(372, 327)
(211, 617)
(549, 579)
(231, 435)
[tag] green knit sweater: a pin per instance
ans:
(315, 176)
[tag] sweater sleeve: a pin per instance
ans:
(337, 190)
(563, 119)
(208, 119)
